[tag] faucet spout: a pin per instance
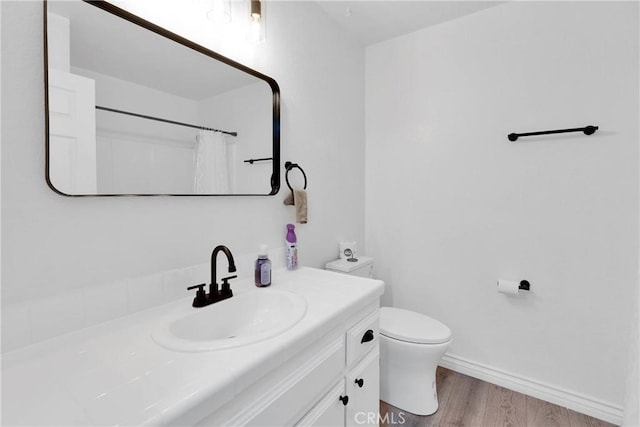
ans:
(203, 299)
(214, 255)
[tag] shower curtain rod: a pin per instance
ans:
(113, 110)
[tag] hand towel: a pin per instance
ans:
(288, 201)
(300, 203)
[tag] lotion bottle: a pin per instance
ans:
(263, 268)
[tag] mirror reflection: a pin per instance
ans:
(131, 111)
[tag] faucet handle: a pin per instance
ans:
(201, 297)
(225, 283)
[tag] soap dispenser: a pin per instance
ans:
(263, 268)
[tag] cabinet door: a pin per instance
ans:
(363, 389)
(328, 412)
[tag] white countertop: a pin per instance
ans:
(115, 374)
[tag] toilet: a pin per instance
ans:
(411, 345)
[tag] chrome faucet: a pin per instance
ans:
(203, 299)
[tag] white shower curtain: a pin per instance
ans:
(214, 163)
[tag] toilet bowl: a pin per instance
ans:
(411, 345)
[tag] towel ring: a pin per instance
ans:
(288, 166)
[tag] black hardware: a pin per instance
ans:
(225, 283)
(524, 285)
(157, 119)
(252, 161)
(344, 400)
(360, 382)
(588, 130)
(368, 336)
(201, 296)
(214, 294)
(288, 166)
(203, 299)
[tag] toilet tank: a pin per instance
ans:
(363, 267)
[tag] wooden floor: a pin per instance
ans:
(466, 401)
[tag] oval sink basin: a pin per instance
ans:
(240, 320)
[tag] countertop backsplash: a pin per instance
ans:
(38, 320)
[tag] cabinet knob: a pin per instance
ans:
(344, 400)
(368, 336)
(360, 382)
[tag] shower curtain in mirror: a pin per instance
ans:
(214, 163)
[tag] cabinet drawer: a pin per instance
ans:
(363, 337)
(299, 390)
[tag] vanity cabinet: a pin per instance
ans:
(330, 411)
(302, 376)
(351, 402)
(332, 382)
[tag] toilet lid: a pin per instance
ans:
(413, 327)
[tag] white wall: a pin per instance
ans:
(58, 42)
(632, 394)
(452, 205)
(53, 245)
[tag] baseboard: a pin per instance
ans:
(580, 403)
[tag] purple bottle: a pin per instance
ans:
(263, 268)
(292, 248)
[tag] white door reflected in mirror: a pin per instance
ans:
(72, 135)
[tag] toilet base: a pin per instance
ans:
(408, 374)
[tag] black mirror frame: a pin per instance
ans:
(121, 13)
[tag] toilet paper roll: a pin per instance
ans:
(344, 245)
(509, 287)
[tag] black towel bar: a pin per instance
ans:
(588, 130)
(264, 159)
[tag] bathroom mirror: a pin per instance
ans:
(133, 109)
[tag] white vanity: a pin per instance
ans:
(323, 370)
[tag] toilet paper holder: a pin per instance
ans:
(524, 285)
